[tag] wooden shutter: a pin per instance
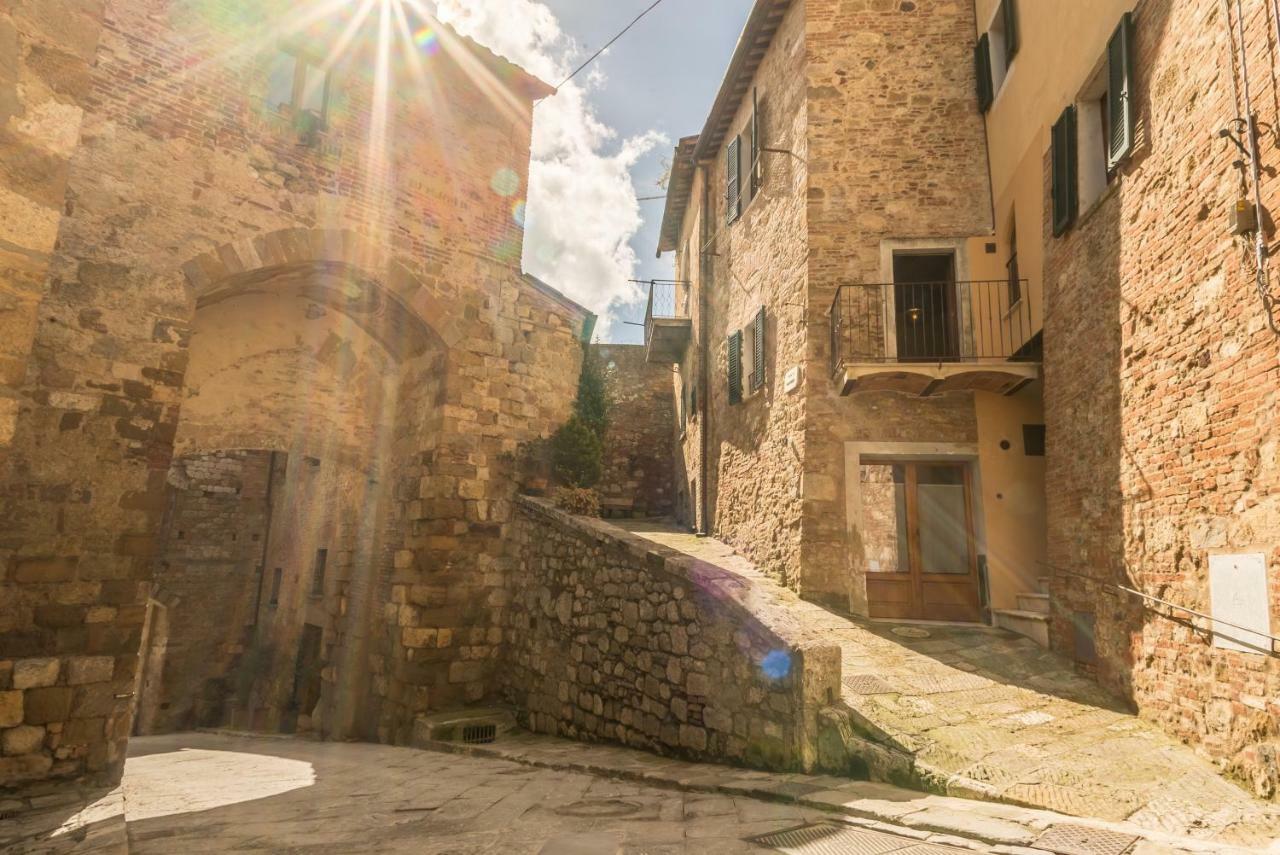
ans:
(1065, 191)
(733, 179)
(756, 130)
(757, 350)
(735, 367)
(982, 67)
(1120, 112)
(1009, 15)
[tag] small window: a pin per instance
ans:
(298, 85)
(317, 574)
(1002, 44)
(1033, 440)
(277, 576)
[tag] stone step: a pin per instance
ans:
(1033, 625)
(1038, 603)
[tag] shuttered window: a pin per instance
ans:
(982, 68)
(735, 367)
(1065, 191)
(1120, 112)
(757, 351)
(1009, 17)
(733, 180)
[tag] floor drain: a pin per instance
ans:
(479, 734)
(910, 632)
(1082, 840)
(600, 809)
(827, 838)
(867, 684)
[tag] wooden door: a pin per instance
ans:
(922, 561)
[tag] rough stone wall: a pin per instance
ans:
(1161, 397)
(46, 50)
(896, 151)
(612, 638)
(639, 452)
(207, 579)
(755, 447)
(184, 190)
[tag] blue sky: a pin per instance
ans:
(602, 141)
(663, 75)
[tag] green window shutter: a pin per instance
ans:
(757, 350)
(1120, 112)
(982, 67)
(755, 145)
(733, 180)
(1065, 190)
(1009, 15)
(735, 367)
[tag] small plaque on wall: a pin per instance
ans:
(1238, 595)
(791, 380)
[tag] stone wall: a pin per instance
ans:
(612, 638)
(185, 190)
(1161, 397)
(639, 452)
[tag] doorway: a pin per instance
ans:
(921, 548)
(306, 676)
(926, 320)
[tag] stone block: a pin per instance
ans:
(418, 638)
(47, 705)
(22, 740)
(90, 669)
(10, 709)
(25, 767)
(41, 570)
(35, 673)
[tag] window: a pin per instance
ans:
(298, 85)
(317, 574)
(1000, 45)
(1015, 279)
(276, 578)
(744, 177)
(1103, 122)
(982, 68)
(735, 367)
(757, 145)
(756, 350)
(1033, 440)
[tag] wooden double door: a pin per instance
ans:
(918, 531)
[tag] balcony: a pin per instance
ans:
(668, 322)
(927, 338)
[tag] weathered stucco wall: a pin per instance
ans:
(1161, 396)
(612, 638)
(639, 449)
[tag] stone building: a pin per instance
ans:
(1066, 390)
(266, 357)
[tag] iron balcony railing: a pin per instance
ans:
(667, 301)
(932, 322)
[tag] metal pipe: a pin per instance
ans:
(703, 524)
(1202, 615)
(1262, 279)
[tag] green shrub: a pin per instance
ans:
(576, 454)
(577, 500)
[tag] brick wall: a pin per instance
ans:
(639, 453)
(1161, 398)
(612, 638)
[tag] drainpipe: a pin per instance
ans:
(704, 353)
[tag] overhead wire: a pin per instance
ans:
(610, 43)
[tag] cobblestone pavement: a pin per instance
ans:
(207, 792)
(987, 714)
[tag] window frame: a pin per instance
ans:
(303, 60)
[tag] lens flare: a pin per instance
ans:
(518, 211)
(776, 664)
(428, 40)
(505, 182)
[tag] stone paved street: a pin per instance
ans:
(984, 713)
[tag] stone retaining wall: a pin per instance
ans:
(612, 638)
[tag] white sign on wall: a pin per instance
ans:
(791, 380)
(1238, 595)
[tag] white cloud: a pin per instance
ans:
(582, 210)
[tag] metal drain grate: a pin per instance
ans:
(934, 684)
(1082, 840)
(479, 734)
(827, 838)
(867, 684)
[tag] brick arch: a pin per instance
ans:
(294, 248)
